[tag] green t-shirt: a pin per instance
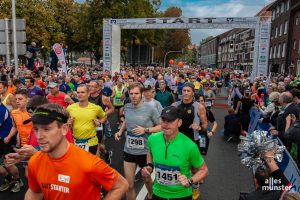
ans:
(165, 98)
(179, 155)
(72, 86)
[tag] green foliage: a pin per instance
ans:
(79, 26)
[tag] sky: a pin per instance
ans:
(214, 8)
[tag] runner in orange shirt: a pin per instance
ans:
(72, 173)
(19, 116)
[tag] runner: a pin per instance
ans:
(172, 154)
(56, 96)
(118, 98)
(212, 128)
(104, 102)
(7, 98)
(164, 96)
(140, 121)
(10, 173)
(32, 89)
(148, 98)
(70, 170)
(84, 119)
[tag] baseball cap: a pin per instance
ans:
(52, 85)
(44, 117)
(170, 113)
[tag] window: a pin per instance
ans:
(282, 7)
(278, 51)
(283, 51)
(276, 32)
(294, 44)
(273, 14)
(278, 11)
(280, 30)
(299, 48)
(251, 55)
(274, 52)
(252, 44)
(297, 21)
(287, 4)
(285, 27)
(271, 51)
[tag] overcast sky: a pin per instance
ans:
(214, 8)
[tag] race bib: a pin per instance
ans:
(202, 141)
(167, 175)
(118, 100)
(208, 103)
(134, 142)
(82, 144)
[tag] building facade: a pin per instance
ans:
(279, 60)
(295, 39)
(209, 52)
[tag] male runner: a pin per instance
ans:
(172, 155)
(141, 120)
(62, 170)
(84, 119)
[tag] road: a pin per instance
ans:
(227, 177)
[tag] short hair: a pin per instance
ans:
(53, 107)
(136, 84)
(287, 97)
(84, 85)
(94, 81)
(295, 92)
(31, 80)
(274, 96)
(37, 101)
(261, 175)
(17, 81)
(4, 84)
(22, 91)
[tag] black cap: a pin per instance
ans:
(45, 117)
(189, 84)
(170, 113)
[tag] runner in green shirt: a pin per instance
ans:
(172, 155)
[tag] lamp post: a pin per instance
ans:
(14, 35)
(182, 51)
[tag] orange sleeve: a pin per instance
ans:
(103, 174)
(32, 181)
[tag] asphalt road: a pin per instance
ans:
(227, 177)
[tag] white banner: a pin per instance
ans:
(107, 49)
(263, 55)
(184, 20)
(57, 48)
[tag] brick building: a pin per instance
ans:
(279, 60)
(295, 39)
(209, 52)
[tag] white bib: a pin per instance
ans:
(202, 141)
(167, 175)
(83, 145)
(135, 142)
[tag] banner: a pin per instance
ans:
(288, 165)
(57, 48)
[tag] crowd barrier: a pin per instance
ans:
(288, 165)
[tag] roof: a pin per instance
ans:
(265, 11)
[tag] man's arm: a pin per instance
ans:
(106, 101)
(200, 174)
(118, 189)
(68, 100)
(33, 195)
(203, 118)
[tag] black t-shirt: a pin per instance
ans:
(210, 116)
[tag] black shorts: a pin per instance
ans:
(6, 148)
(118, 107)
(140, 160)
(154, 197)
(93, 149)
(100, 136)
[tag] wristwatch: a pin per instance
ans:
(191, 182)
(150, 165)
(147, 130)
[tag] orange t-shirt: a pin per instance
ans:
(76, 175)
(11, 89)
(24, 130)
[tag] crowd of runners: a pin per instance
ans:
(55, 125)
